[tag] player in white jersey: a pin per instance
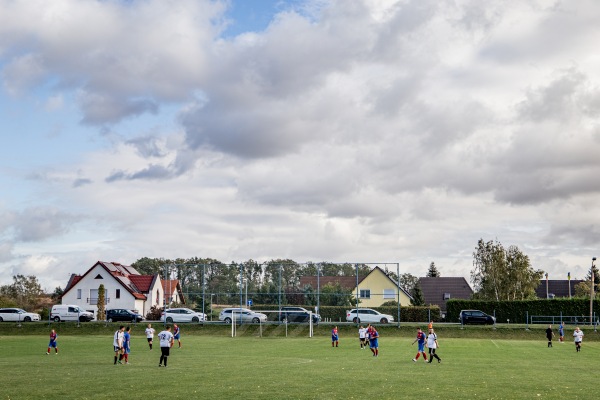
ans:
(362, 335)
(150, 335)
(578, 335)
(166, 342)
(432, 343)
(118, 343)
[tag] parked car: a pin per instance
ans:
(475, 317)
(182, 315)
(17, 314)
(367, 315)
(241, 315)
(122, 314)
(297, 314)
(66, 312)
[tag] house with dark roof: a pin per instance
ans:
(124, 288)
(437, 291)
(556, 288)
(373, 289)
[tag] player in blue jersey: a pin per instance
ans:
(126, 344)
(374, 341)
(421, 341)
(177, 334)
(334, 337)
(52, 343)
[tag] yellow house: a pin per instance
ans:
(378, 288)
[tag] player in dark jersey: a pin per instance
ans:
(421, 340)
(374, 341)
(334, 337)
(52, 344)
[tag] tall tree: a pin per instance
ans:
(433, 272)
(417, 295)
(502, 274)
(101, 300)
(25, 291)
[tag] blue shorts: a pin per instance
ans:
(176, 337)
(373, 343)
(52, 344)
(126, 350)
(421, 347)
(334, 338)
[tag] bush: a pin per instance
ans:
(154, 313)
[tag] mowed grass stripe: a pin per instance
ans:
(297, 368)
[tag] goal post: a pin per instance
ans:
(236, 320)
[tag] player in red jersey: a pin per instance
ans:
(52, 344)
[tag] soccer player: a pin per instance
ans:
(166, 341)
(52, 343)
(126, 344)
(432, 343)
(421, 339)
(561, 332)
(362, 335)
(549, 335)
(150, 335)
(177, 334)
(118, 344)
(374, 341)
(334, 337)
(578, 335)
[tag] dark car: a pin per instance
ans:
(122, 314)
(297, 314)
(475, 317)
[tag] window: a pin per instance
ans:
(389, 294)
(98, 277)
(79, 293)
(365, 294)
(157, 297)
(118, 293)
(446, 296)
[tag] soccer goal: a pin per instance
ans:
(246, 316)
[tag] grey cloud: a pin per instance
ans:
(152, 172)
(6, 251)
(37, 224)
(81, 182)
(102, 109)
(147, 146)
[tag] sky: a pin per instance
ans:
(398, 131)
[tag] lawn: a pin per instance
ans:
(221, 367)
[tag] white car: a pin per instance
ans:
(241, 314)
(182, 315)
(17, 314)
(367, 315)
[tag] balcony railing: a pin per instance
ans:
(94, 301)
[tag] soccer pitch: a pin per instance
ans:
(296, 368)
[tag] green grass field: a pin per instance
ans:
(221, 367)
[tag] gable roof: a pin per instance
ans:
(121, 273)
(172, 286)
(557, 287)
(391, 280)
(434, 289)
(143, 282)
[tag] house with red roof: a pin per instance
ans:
(124, 288)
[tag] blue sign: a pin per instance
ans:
(249, 303)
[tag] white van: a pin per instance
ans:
(65, 312)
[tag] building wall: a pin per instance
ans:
(89, 283)
(377, 282)
(155, 297)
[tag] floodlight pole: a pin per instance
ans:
(546, 286)
(592, 290)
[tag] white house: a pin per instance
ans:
(124, 288)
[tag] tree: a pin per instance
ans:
(417, 295)
(101, 300)
(502, 274)
(408, 282)
(432, 272)
(25, 291)
(57, 294)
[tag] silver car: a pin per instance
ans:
(182, 315)
(367, 315)
(241, 315)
